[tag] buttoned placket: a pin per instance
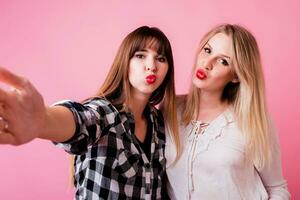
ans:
(147, 164)
(149, 171)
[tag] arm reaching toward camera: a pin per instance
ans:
(24, 116)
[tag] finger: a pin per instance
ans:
(3, 124)
(10, 78)
(6, 138)
(3, 95)
(5, 111)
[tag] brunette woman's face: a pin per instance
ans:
(214, 65)
(147, 70)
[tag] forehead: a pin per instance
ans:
(221, 43)
(151, 43)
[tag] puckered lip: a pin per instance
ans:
(201, 74)
(150, 79)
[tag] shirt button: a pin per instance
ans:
(147, 165)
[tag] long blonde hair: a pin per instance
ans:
(246, 97)
(116, 87)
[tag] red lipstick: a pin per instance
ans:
(150, 79)
(201, 74)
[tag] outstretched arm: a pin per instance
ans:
(24, 116)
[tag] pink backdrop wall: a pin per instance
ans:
(65, 47)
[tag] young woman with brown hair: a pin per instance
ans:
(117, 136)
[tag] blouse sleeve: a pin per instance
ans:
(93, 119)
(272, 177)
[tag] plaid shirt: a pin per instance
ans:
(109, 162)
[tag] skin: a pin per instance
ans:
(23, 104)
(215, 59)
(144, 63)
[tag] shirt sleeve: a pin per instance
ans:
(93, 119)
(272, 177)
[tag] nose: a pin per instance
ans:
(208, 64)
(151, 65)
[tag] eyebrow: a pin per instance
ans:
(221, 54)
(146, 50)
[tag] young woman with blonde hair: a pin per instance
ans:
(117, 136)
(228, 147)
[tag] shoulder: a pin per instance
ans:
(97, 101)
(100, 104)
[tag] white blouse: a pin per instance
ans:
(212, 165)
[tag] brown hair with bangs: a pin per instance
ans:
(116, 86)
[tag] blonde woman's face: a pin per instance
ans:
(214, 64)
(147, 70)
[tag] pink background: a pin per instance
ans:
(65, 47)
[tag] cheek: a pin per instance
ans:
(223, 79)
(130, 73)
(131, 79)
(163, 70)
(199, 60)
(134, 69)
(133, 74)
(225, 74)
(166, 69)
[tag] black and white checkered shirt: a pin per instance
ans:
(109, 162)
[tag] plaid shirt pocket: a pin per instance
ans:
(128, 163)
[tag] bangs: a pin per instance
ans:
(151, 42)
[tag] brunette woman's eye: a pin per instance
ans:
(139, 55)
(207, 50)
(161, 59)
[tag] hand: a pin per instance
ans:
(22, 110)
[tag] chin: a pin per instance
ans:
(197, 83)
(147, 91)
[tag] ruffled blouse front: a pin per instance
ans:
(213, 165)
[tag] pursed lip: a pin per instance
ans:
(150, 79)
(201, 74)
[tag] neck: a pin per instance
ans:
(210, 106)
(137, 105)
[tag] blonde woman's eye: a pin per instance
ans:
(162, 59)
(224, 62)
(207, 50)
